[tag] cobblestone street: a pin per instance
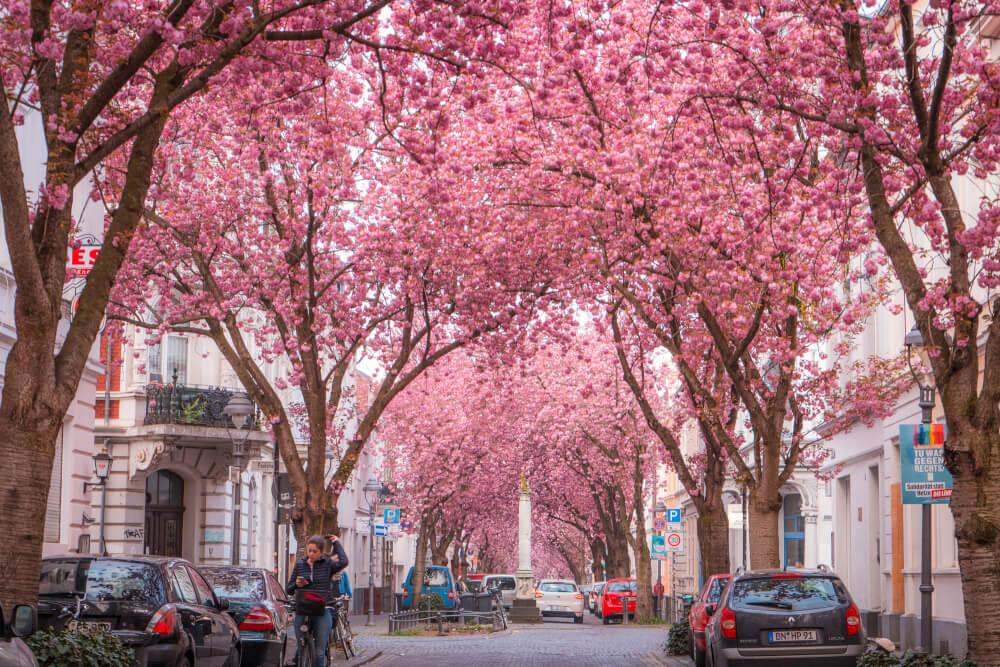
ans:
(552, 644)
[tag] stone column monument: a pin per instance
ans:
(524, 609)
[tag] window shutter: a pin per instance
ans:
(52, 508)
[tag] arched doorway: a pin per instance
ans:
(795, 537)
(164, 513)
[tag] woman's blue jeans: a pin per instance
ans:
(321, 626)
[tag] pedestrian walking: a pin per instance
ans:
(315, 573)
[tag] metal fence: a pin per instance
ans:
(406, 620)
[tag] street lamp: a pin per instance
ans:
(914, 340)
(102, 468)
(659, 510)
(371, 489)
(238, 408)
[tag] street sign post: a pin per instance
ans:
(659, 524)
(406, 525)
(921, 459)
(674, 541)
(391, 515)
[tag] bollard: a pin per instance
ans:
(441, 632)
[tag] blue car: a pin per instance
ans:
(437, 579)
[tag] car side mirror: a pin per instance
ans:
(223, 604)
(25, 621)
(710, 608)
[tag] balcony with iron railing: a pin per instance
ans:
(193, 405)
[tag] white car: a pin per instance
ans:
(559, 597)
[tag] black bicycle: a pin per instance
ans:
(341, 634)
(498, 601)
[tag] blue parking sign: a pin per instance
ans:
(391, 515)
(674, 515)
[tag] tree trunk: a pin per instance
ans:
(599, 555)
(306, 523)
(643, 571)
(617, 563)
(977, 527)
(419, 566)
(764, 536)
(30, 453)
(713, 539)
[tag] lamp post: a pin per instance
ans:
(914, 339)
(659, 510)
(238, 408)
(102, 468)
(371, 489)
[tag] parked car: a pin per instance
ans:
(13, 651)
(595, 595)
(775, 617)
(256, 604)
(614, 596)
(507, 584)
(559, 597)
(437, 579)
(161, 607)
(698, 616)
(474, 582)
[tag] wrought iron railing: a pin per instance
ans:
(194, 406)
(407, 620)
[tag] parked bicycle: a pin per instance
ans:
(341, 635)
(497, 596)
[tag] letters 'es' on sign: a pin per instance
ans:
(81, 260)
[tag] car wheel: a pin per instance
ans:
(606, 620)
(184, 662)
(578, 619)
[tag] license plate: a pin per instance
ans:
(792, 635)
(558, 607)
(90, 625)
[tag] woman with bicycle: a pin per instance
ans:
(314, 575)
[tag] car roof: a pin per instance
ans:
(232, 568)
(136, 558)
(790, 572)
(557, 581)
(622, 579)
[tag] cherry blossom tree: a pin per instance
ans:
(902, 99)
(104, 79)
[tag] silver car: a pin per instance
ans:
(507, 584)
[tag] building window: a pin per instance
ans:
(795, 539)
(252, 522)
(53, 508)
(162, 369)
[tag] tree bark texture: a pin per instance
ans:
(713, 542)
(764, 533)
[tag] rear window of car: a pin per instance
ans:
(799, 593)
(236, 584)
(505, 583)
(621, 587)
(556, 587)
(103, 580)
(433, 576)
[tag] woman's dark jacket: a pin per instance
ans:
(319, 574)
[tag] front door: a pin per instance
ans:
(795, 539)
(164, 514)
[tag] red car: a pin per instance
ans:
(616, 594)
(698, 616)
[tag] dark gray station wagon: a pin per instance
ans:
(801, 617)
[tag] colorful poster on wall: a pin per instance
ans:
(921, 457)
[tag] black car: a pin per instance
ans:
(161, 607)
(256, 603)
(784, 618)
(13, 651)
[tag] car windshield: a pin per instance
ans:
(105, 580)
(621, 587)
(556, 587)
(798, 593)
(236, 584)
